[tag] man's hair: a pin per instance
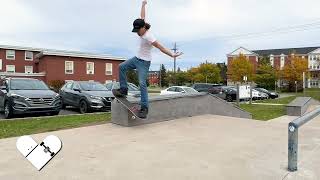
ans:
(147, 26)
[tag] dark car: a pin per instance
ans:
(218, 91)
(271, 95)
(231, 93)
(133, 90)
(87, 96)
(26, 95)
(204, 87)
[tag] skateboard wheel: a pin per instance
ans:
(41, 144)
(133, 117)
(52, 154)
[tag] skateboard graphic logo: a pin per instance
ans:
(39, 154)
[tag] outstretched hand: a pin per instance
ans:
(144, 2)
(177, 54)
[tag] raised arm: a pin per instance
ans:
(143, 9)
(165, 50)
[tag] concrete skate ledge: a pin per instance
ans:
(300, 105)
(163, 108)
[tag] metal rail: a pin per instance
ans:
(293, 130)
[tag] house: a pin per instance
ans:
(50, 65)
(154, 77)
(279, 57)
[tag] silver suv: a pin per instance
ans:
(26, 96)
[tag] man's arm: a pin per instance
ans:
(165, 50)
(143, 9)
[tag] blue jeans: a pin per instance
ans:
(143, 68)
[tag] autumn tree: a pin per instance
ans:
(240, 67)
(293, 71)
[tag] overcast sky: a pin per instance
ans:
(203, 29)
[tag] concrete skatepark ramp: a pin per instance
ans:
(163, 108)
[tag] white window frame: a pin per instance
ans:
(0, 64)
(28, 72)
(14, 54)
(25, 56)
(14, 68)
(90, 71)
(65, 67)
(109, 70)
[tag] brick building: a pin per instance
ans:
(279, 57)
(50, 65)
(154, 77)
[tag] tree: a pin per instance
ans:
(266, 75)
(164, 78)
(293, 71)
(240, 67)
(210, 72)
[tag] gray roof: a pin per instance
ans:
(287, 51)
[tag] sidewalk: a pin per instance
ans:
(205, 147)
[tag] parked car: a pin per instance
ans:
(133, 90)
(204, 87)
(178, 90)
(257, 95)
(231, 93)
(86, 95)
(218, 91)
(26, 96)
(271, 95)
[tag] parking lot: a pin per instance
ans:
(67, 111)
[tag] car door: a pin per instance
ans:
(3, 93)
(66, 94)
(75, 95)
(179, 90)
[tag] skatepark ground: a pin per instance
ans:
(204, 147)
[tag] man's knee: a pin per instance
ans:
(143, 84)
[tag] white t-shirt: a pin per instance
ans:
(146, 46)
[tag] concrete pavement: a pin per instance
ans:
(204, 147)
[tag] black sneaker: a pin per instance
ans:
(120, 92)
(143, 112)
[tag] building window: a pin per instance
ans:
(28, 56)
(108, 68)
(69, 67)
(11, 54)
(90, 68)
(11, 68)
(282, 62)
(272, 60)
(0, 64)
(28, 69)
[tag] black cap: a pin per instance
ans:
(138, 24)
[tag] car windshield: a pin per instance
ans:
(27, 84)
(131, 87)
(92, 86)
(190, 90)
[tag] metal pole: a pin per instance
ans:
(175, 64)
(250, 92)
(304, 83)
(238, 95)
(160, 75)
(292, 148)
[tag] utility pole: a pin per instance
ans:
(175, 50)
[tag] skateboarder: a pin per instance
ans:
(141, 62)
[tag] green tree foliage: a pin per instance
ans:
(266, 75)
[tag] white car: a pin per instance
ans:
(178, 90)
(257, 95)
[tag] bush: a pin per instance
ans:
(56, 85)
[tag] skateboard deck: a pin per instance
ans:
(131, 107)
(39, 154)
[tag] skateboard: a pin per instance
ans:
(39, 154)
(131, 107)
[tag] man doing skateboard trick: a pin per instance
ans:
(142, 61)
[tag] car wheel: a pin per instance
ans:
(84, 108)
(229, 99)
(8, 111)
